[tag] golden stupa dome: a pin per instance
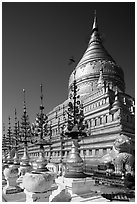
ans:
(94, 59)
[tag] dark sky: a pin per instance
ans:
(39, 38)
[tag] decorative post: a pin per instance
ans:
(11, 170)
(49, 133)
(61, 128)
(75, 130)
(9, 134)
(60, 163)
(25, 134)
(4, 159)
(38, 183)
(16, 135)
(41, 130)
(4, 147)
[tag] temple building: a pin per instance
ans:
(108, 110)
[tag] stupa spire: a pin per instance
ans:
(95, 57)
(95, 25)
(95, 37)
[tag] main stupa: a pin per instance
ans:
(108, 110)
(96, 58)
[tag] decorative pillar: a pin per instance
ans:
(60, 169)
(65, 153)
(87, 153)
(91, 122)
(76, 129)
(107, 99)
(81, 152)
(93, 152)
(25, 137)
(9, 145)
(15, 140)
(103, 89)
(4, 164)
(38, 183)
(103, 119)
(10, 171)
(132, 110)
(4, 159)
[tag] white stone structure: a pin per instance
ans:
(38, 186)
(11, 174)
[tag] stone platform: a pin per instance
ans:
(21, 197)
(90, 197)
(60, 195)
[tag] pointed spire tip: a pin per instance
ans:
(95, 26)
(95, 13)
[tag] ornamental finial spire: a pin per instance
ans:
(3, 127)
(24, 100)
(9, 121)
(95, 37)
(3, 139)
(95, 26)
(3, 130)
(41, 97)
(15, 115)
